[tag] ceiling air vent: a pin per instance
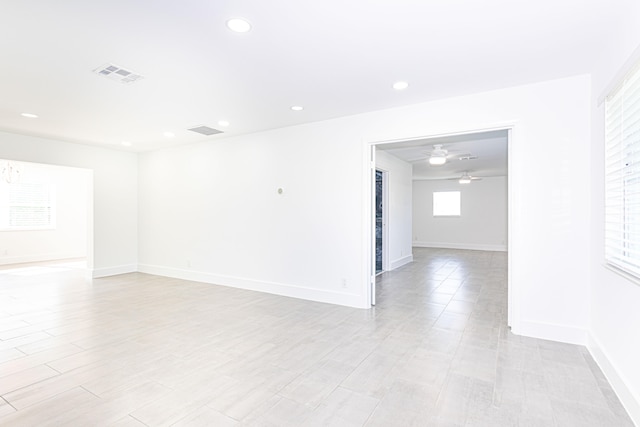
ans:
(205, 130)
(119, 74)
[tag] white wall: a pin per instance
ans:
(69, 237)
(615, 301)
(482, 223)
(113, 244)
(211, 212)
(399, 176)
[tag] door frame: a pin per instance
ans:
(513, 299)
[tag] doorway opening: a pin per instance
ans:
(46, 216)
(474, 160)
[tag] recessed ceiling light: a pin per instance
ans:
(126, 143)
(169, 134)
(297, 108)
(29, 115)
(239, 25)
(223, 123)
(400, 85)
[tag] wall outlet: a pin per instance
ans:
(188, 263)
(344, 283)
(4, 252)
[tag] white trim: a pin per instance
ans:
(467, 246)
(628, 276)
(283, 289)
(552, 332)
(396, 263)
(90, 221)
(499, 126)
(620, 75)
(369, 224)
(6, 260)
(513, 300)
(113, 271)
(629, 400)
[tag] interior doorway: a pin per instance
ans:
(470, 155)
(46, 215)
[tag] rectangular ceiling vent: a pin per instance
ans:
(119, 74)
(205, 130)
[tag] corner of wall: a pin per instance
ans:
(113, 271)
(552, 332)
(466, 246)
(397, 263)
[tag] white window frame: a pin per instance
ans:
(439, 205)
(622, 175)
(46, 202)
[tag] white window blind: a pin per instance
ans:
(27, 206)
(622, 175)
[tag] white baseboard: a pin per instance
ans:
(283, 289)
(467, 246)
(6, 260)
(629, 400)
(552, 332)
(400, 262)
(115, 270)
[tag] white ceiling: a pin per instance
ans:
(333, 57)
(488, 148)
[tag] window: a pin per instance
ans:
(446, 203)
(27, 206)
(622, 175)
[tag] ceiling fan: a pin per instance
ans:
(466, 178)
(439, 155)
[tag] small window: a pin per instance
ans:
(446, 203)
(622, 175)
(27, 206)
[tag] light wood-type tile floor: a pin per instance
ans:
(136, 349)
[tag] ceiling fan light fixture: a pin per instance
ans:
(438, 156)
(466, 178)
(437, 160)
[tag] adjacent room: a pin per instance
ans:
(293, 213)
(45, 214)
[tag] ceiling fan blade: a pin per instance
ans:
(417, 159)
